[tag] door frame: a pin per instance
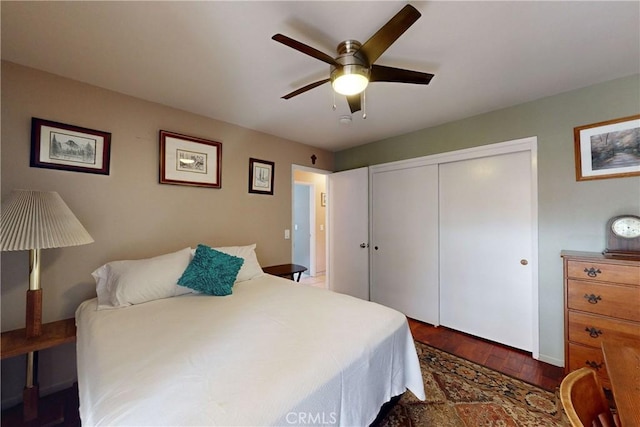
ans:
(295, 167)
(529, 144)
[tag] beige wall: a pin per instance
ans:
(128, 213)
(320, 184)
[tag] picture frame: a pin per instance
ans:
(323, 199)
(261, 176)
(66, 147)
(189, 160)
(609, 149)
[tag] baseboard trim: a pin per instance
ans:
(551, 360)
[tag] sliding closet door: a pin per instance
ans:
(486, 232)
(404, 243)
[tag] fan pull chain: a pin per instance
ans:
(364, 105)
(334, 100)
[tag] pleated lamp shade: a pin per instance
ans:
(39, 220)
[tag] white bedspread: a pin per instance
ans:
(273, 353)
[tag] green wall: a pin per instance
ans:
(571, 214)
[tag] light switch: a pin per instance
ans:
(287, 234)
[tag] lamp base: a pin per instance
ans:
(34, 313)
(30, 397)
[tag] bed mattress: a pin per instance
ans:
(273, 353)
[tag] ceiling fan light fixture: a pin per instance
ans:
(350, 79)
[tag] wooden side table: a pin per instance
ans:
(15, 343)
(286, 270)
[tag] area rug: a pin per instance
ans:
(461, 393)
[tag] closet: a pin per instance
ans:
(404, 240)
(454, 240)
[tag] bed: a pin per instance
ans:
(274, 352)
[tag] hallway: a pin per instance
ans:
(319, 281)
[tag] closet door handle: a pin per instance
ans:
(364, 245)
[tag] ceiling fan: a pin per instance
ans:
(353, 68)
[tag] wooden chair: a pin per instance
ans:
(584, 401)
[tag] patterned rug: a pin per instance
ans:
(463, 393)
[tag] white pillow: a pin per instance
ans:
(251, 267)
(123, 283)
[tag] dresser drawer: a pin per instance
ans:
(627, 274)
(591, 330)
(581, 356)
(606, 299)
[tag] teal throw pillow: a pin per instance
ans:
(211, 272)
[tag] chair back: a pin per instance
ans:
(584, 401)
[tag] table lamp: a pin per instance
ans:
(33, 220)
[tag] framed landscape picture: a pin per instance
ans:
(66, 147)
(187, 160)
(261, 173)
(608, 149)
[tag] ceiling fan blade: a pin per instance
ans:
(307, 50)
(305, 88)
(380, 73)
(389, 33)
(355, 102)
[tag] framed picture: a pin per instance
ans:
(323, 199)
(261, 176)
(66, 147)
(187, 160)
(608, 149)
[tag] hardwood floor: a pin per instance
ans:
(57, 409)
(507, 360)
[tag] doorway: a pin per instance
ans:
(309, 223)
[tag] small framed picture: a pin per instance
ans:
(323, 199)
(261, 173)
(608, 149)
(187, 160)
(66, 147)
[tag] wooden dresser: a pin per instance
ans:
(602, 301)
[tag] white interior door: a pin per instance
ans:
(404, 240)
(348, 208)
(486, 247)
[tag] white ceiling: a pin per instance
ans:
(217, 59)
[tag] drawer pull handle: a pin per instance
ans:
(592, 272)
(592, 299)
(593, 332)
(594, 365)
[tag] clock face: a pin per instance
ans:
(627, 227)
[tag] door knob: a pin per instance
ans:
(364, 245)
(524, 262)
